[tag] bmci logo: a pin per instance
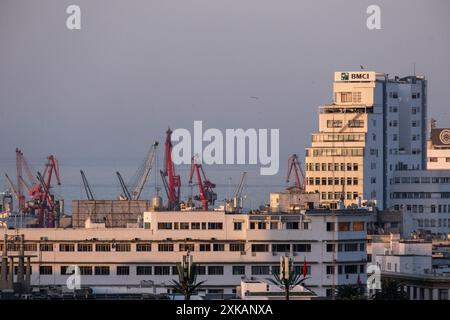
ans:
(344, 76)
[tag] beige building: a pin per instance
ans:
(375, 126)
(438, 148)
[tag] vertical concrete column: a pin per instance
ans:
(11, 273)
(21, 265)
(435, 294)
(4, 271)
(28, 274)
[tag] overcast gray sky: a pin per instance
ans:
(136, 67)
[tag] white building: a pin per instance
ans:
(226, 247)
(410, 263)
(374, 126)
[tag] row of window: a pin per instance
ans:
(350, 123)
(201, 270)
(420, 195)
(192, 225)
(289, 225)
(335, 152)
(441, 208)
(412, 180)
(338, 195)
(338, 137)
(394, 95)
(435, 159)
(433, 223)
(332, 181)
(346, 226)
(331, 166)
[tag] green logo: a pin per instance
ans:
(344, 76)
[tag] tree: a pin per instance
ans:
(187, 278)
(390, 290)
(349, 292)
(288, 278)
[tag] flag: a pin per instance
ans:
(305, 268)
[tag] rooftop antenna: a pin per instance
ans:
(414, 68)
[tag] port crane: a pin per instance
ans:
(126, 194)
(87, 187)
(206, 187)
(295, 166)
(144, 172)
(171, 181)
(238, 197)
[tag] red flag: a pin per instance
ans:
(305, 268)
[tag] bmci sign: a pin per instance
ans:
(354, 76)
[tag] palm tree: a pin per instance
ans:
(187, 277)
(390, 290)
(349, 292)
(287, 284)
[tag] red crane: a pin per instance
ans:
(33, 187)
(47, 206)
(207, 194)
(295, 166)
(172, 186)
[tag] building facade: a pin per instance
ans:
(374, 126)
(226, 247)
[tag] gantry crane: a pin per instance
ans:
(171, 181)
(206, 192)
(144, 173)
(87, 187)
(295, 166)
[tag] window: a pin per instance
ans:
(237, 225)
(84, 247)
(165, 247)
(123, 247)
(144, 270)
(358, 226)
(330, 226)
(292, 225)
(351, 269)
(195, 225)
(184, 225)
(343, 226)
(238, 270)
(274, 225)
(175, 270)
(45, 270)
(260, 270)
(164, 225)
(30, 247)
(215, 270)
(330, 269)
(260, 248)
(85, 270)
(301, 247)
(262, 225)
(281, 247)
(356, 123)
(201, 270)
(218, 247)
(205, 247)
(102, 247)
(351, 247)
(186, 247)
(101, 270)
(433, 159)
(46, 247)
(215, 225)
(237, 247)
(334, 123)
(123, 270)
(346, 97)
(66, 247)
(63, 270)
(143, 247)
(162, 270)
(252, 226)
(331, 247)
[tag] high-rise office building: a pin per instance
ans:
(375, 126)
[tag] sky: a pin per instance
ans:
(104, 93)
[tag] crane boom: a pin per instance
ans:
(147, 169)
(173, 181)
(295, 166)
(87, 187)
(206, 192)
(12, 187)
(124, 186)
